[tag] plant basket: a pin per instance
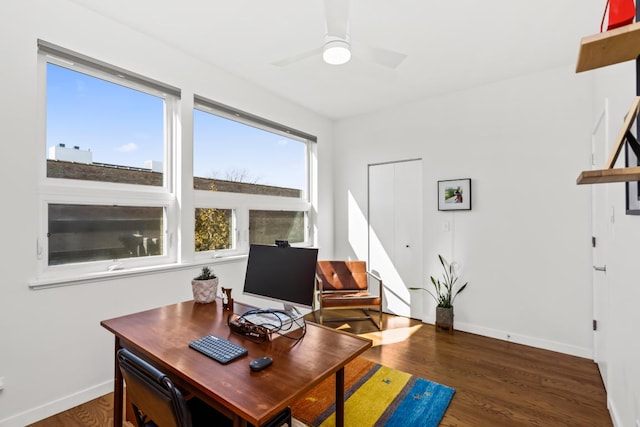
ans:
(204, 291)
(444, 316)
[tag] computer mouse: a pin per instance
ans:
(260, 363)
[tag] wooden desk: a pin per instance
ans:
(162, 335)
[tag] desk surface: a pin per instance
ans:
(162, 336)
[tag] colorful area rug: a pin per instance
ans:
(376, 395)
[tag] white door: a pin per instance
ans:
(602, 216)
(395, 232)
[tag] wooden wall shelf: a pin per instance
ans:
(611, 174)
(604, 176)
(610, 47)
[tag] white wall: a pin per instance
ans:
(53, 353)
(616, 84)
(524, 247)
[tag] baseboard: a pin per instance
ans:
(615, 418)
(56, 406)
(526, 340)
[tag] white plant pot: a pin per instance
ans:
(204, 291)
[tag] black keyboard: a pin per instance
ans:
(218, 348)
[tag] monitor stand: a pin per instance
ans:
(292, 311)
(282, 321)
(287, 315)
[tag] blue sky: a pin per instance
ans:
(223, 146)
(125, 127)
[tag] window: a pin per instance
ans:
(235, 157)
(108, 175)
(214, 229)
(258, 169)
(98, 130)
(106, 193)
(83, 233)
(265, 227)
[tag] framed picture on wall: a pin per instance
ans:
(454, 195)
(632, 188)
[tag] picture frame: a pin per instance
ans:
(454, 195)
(632, 188)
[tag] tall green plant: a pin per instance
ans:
(444, 289)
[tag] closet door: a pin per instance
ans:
(395, 232)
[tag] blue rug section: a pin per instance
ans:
(377, 396)
(422, 404)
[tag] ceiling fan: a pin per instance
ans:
(338, 45)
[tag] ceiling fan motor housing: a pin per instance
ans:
(336, 51)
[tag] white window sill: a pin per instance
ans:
(55, 282)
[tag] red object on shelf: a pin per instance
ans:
(621, 12)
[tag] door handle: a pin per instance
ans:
(603, 268)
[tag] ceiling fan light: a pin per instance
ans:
(336, 52)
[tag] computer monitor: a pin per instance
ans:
(281, 274)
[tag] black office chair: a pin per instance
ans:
(158, 403)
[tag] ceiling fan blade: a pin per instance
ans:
(377, 55)
(296, 58)
(336, 14)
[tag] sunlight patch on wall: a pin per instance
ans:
(357, 231)
(396, 296)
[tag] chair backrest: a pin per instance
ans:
(343, 275)
(152, 394)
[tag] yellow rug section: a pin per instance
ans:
(370, 401)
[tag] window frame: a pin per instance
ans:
(74, 191)
(243, 203)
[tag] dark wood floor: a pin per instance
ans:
(96, 413)
(497, 383)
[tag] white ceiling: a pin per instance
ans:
(450, 45)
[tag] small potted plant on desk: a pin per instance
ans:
(205, 286)
(444, 294)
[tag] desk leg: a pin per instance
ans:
(118, 395)
(340, 397)
(238, 421)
